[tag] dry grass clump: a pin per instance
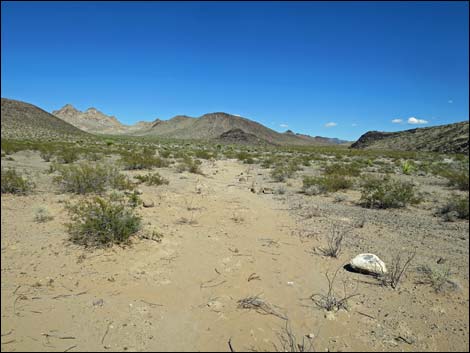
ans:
(102, 221)
(14, 183)
(42, 215)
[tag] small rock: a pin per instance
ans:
(368, 263)
(98, 302)
(138, 191)
(148, 203)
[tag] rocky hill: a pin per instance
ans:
(22, 120)
(208, 126)
(451, 138)
(91, 120)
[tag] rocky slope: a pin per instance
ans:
(22, 120)
(209, 126)
(451, 138)
(91, 120)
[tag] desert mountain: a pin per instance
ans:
(451, 138)
(91, 120)
(22, 120)
(209, 126)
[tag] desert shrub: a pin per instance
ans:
(343, 169)
(324, 184)
(387, 193)
(86, 178)
(203, 154)
(332, 301)
(14, 183)
(102, 221)
(457, 178)
(145, 159)
(190, 165)
(164, 153)
(42, 215)
(67, 155)
(334, 246)
(397, 270)
(46, 154)
(437, 277)
(456, 207)
(152, 179)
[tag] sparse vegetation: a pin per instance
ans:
(84, 178)
(439, 278)
(331, 301)
(324, 184)
(456, 207)
(335, 241)
(42, 215)
(387, 193)
(152, 179)
(397, 270)
(14, 183)
(101, 221)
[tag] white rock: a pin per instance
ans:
(368, 263)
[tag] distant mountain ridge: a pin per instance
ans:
(208, 126)
(450, 138)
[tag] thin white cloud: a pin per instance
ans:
(331, 124)
(284, 125)
(415, 121)
(353, 124)
(397, 121)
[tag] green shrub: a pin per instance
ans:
(189, 165)
(387, 193)
(343, 169)
(86, 178)
(457, 178)
(330, 183)
(152, 179)
(145, 159)
(67, 155)
(14, 183)
(456, 207)
(102, 221)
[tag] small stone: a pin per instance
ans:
(148, 203)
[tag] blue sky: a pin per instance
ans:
(334, 69)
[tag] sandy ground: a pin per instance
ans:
(181, 294)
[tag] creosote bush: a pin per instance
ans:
(101, 221)
(42, 215)
(86, 178)
(14, 183)
(152, 179)
(387, 193)
(144, 159)
(324, 184)
(456, 207)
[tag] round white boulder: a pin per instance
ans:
(368, 263)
